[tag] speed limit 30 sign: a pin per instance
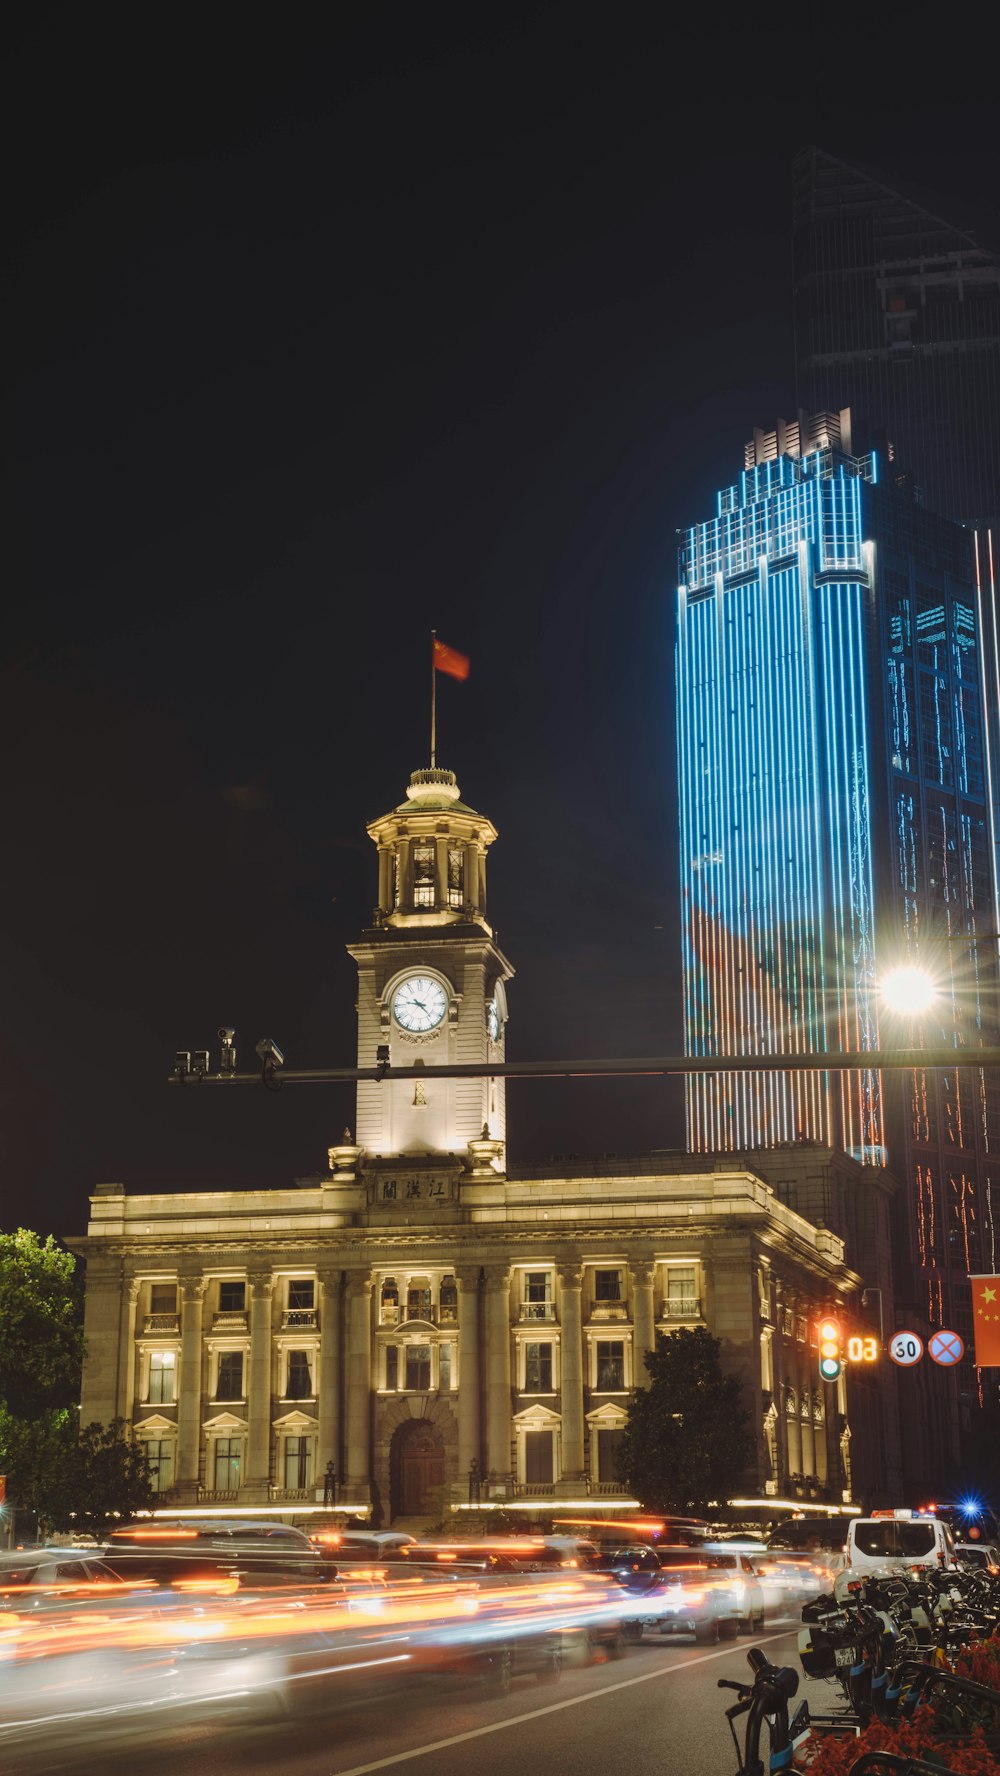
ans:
(905, 1348)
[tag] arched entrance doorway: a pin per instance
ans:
(416, 1467)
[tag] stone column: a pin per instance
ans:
(643, 1320)
(359, 1387)
(471, 886)
(329, 1373)
(571, 1371)
(808, 1441)
(189, 1395)
(125, 1391)
(498, 1402)
(258, 1472)
(469, 1431)
(385, 878)
(405, 867)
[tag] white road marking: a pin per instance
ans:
(402, 1757)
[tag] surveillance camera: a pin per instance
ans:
(226, 1036)
(269, 1051)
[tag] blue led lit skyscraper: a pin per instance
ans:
(837, 816)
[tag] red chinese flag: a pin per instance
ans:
(449, 660)
(986, 1320)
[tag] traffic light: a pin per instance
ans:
(829, 1349)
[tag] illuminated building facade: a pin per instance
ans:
(417, 1308)
(838, 816)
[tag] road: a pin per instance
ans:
(656, 1710)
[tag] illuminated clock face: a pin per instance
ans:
(419, 1003)
(493, 1020)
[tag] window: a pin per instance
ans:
(423, 875)
(163, 1298)
(418, 1301)
(607, 1285)
(161, 1378)
(227, 1464)
(537, 1295)
(230, 1382)
(610, 1366)
(682, 1292)
(538, 1368)
(391, 1366)
(449, 1299)
(301, 1292)
(418, 1367)
(608, 1445)
(160, 1455)
(456, 877)
(538, 1458)
(299, 1377)
(232, 1298)
(298, 1463)
(444, 1368)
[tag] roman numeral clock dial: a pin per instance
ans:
(419, 1004)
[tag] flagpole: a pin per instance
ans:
(433, 703)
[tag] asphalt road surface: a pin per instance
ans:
(656, 1710)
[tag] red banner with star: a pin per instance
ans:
(986, 1320)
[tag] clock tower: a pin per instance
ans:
(431, 980)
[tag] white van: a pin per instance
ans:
(898, 1539)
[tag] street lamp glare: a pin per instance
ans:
(909, 990)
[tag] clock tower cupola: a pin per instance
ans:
(431, 979)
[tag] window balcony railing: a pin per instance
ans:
(534, 1489)
(607, 1488)
(230, 1320)
(609, 1310)
(538, 1310)
(217, 1496)
(448, 1316)
(680, 1307)
(291, 1495)
(427, 1314)
(161, 1323)
(294, 1317)
(388, 1313)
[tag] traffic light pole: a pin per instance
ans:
(192, 1066)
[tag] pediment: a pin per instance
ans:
(536, 1415)
(225, 1423)
(155, 1422)
(607, 1417)
(295, 1421)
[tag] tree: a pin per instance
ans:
(686, 1441)
(41, 1332)
(108, 1478)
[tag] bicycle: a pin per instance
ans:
(765, 1704)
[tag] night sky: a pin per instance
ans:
(325, 327)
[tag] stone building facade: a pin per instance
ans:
(418, 1313)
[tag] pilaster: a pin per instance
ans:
(258, 1473)
(469, 1380)
(571, 1368)
(498, 1395)
(329, 1371)
(359, 1382)
(189, 1403)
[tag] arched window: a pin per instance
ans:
(448, 1300)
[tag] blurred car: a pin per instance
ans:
(738, 1569)
(674, 1590)
(34, 1577)
(241, 1550)
(789, 1579)
(982, 1556)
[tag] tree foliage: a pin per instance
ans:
(41, 1332)
(72, 1480)
(687, 1440)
